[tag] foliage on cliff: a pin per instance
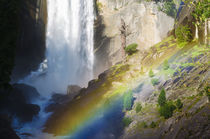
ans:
(183, 34)
(169, 7)
(130, 49)
(202, 11)
(9, 28)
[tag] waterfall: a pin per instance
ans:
(69, 54)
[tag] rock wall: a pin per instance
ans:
(146, 26)
(30, 50)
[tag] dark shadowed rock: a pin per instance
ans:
(16, 105)
(56, 101)
(26, 112)
(30, 49)
(6, 131)
(30, 93)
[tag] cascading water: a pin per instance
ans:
(69, 56)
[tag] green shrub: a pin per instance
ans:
(130, 49)
(169, 8)
(99, 5)
(162, 98)
(153, 125)
(127, 100)
(165, 65)
(127, 121)
(207, 90)
(155, 81)
(183, 34)
(201, 11)
(142, 125)
(167, 110)
(179, 104)
(138, 108)
(151, 73)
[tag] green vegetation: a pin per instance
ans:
(151, 73)
(167, 110)
(130, 49)
(126, 121)
(9, 28)
(142, 125)
(138, 107)
(165, 65)
(207, 91)
(201, 12)
(183, 34)
(153, 124)
(99, 5)
(169, 8)
(179, 104)
(155, 81)
(127, 100)
(162, 98)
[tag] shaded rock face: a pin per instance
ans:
(185, 18)
(146, 26)
(30, 50)
(17, 102)
(6, 131)
(29, 92)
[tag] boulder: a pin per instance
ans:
(17, 105)
(73, 90)
(56, 101)
(30, 93)
(6, 131)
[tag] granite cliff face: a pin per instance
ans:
(146, 26)
(30, 49)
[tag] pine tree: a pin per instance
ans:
(179, 104)
(162, 98)
(151, 73)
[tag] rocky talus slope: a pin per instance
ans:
(186, 78)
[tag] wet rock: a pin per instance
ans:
(52, 107)
(27, 134)
(73, 89)
(92, 82)
(6, 131)
(30, 93)
(57, 100)
(17, 105)
(26, 112)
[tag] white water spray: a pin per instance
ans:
(69, 56)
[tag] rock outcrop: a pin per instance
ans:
(30, 49)
(146, 26)
(17, 102)
(6, 131)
